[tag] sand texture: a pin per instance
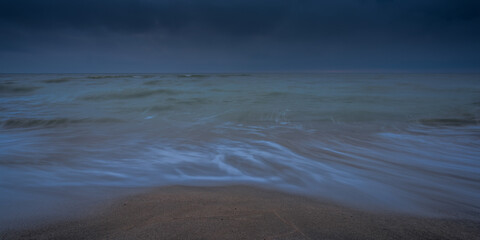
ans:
(242, 213)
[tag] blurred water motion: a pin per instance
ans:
(401, 142)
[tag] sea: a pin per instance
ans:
(402, 143)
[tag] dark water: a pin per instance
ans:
(401, 142)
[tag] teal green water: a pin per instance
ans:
(398, 142)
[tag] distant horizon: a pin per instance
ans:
(260, 72)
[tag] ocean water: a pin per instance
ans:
(408, 143)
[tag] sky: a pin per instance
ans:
(106, 36)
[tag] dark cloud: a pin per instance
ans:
(240, 35)
(242, 17)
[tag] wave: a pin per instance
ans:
(193, 75)
(130, 94)
(224, 90)
(152, 82)
(192, 101)
(109, 76)
(56, 122)
(176, 104)
(58, 80)
(449, 122)
(13, 89)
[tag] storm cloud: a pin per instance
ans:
(223, 36)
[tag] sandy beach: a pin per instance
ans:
(240, 212)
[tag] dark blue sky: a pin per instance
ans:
(239, 36)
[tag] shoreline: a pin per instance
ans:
(241, 212)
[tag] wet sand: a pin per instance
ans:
(240, 212)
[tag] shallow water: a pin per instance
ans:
(401, 142)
